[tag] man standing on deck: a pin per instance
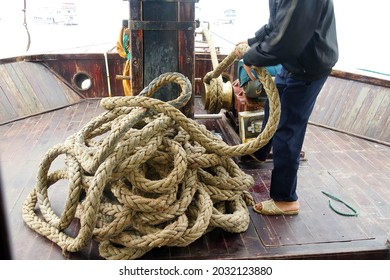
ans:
(300, 35)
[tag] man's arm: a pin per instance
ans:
(287, 33)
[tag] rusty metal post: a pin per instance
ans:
(162, 39)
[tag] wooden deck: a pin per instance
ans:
(355, 170)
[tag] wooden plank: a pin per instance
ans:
(36, 84)
(199, 249)
(15, 98)
(344, 106)
(330, 97)
(371, 114)
(30, 88)
(52, 89)
(361, 78)
(342, 96)
(60, 86)
(7, 111)
(386, 131)
(28, 96)
(352, 106)
(251, 239)
(236, 245)
(383, 115)
(217, 243)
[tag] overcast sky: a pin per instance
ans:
(362, 26)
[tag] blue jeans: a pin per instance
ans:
(297, 99)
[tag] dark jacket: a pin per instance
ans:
(300, 35)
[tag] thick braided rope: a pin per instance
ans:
(141, 176)
(214, 96)
(201, 134)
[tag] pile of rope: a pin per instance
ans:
(142, 175)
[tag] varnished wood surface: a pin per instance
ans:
(356, 107)
(383, 81)
(352, 169)
(28, 88)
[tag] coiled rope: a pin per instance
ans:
(142, 175)
(214, 99)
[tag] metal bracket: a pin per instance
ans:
(162, 25)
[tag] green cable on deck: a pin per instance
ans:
(355, 213)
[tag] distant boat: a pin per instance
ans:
(62, 13)
(230, 16)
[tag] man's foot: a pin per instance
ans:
(271, 207)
